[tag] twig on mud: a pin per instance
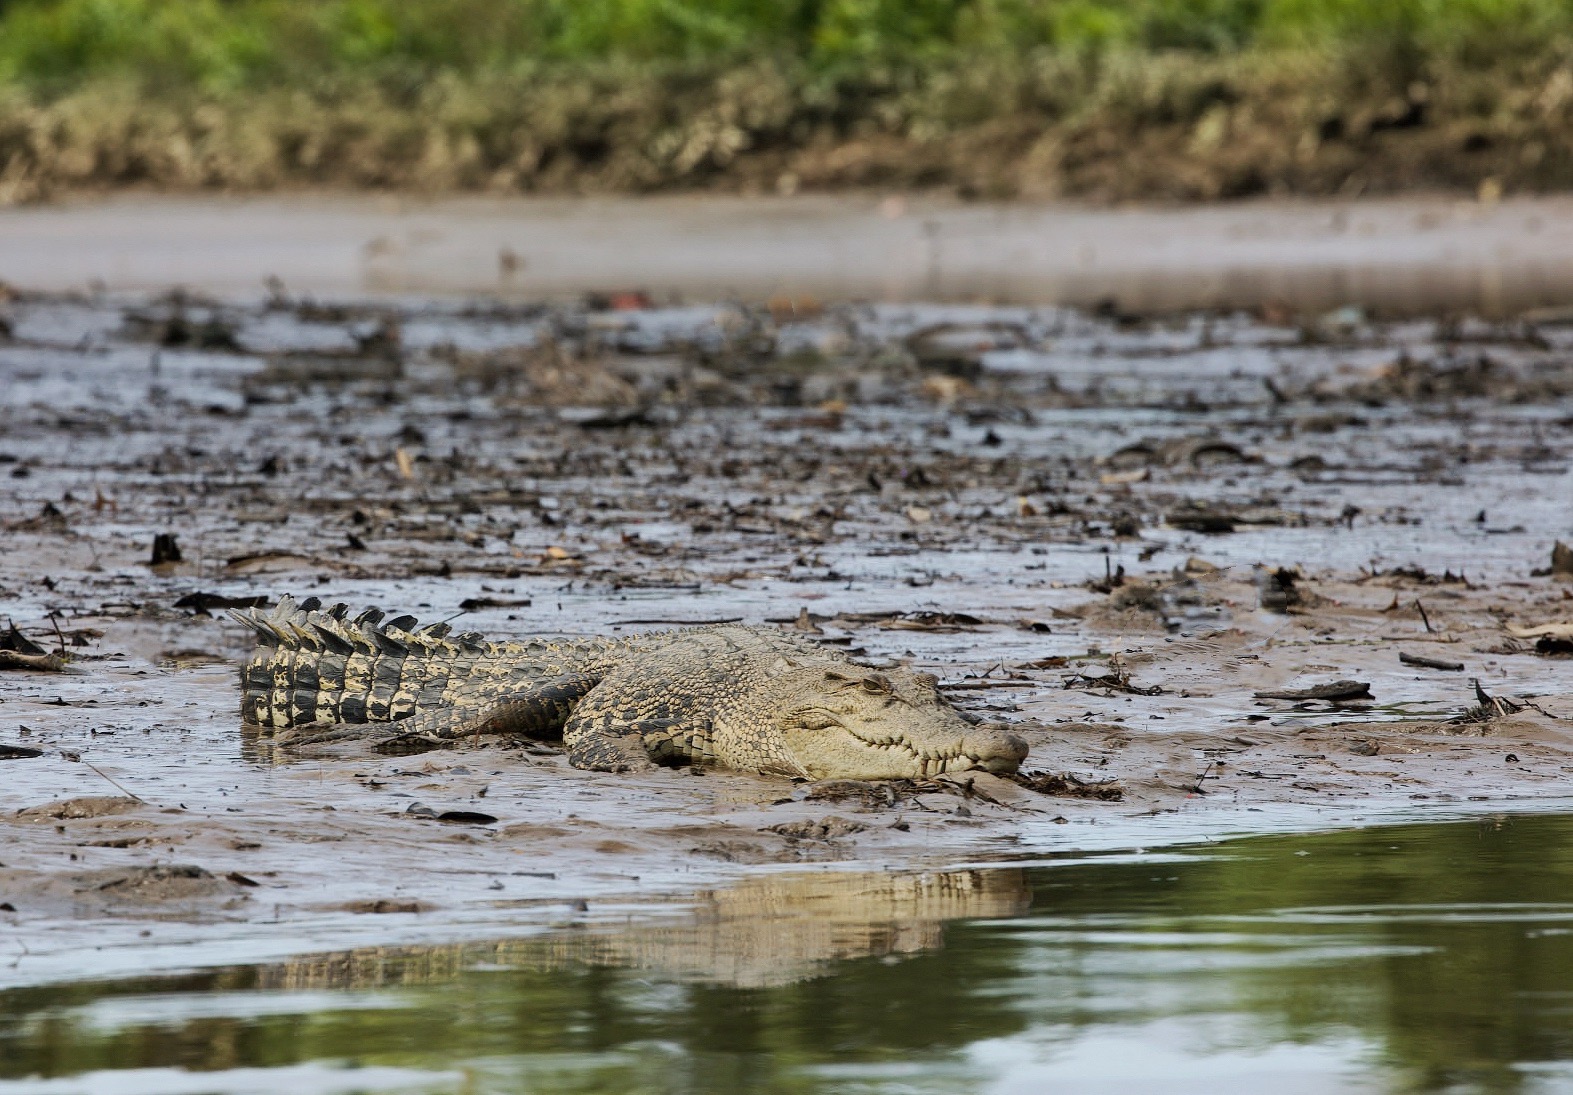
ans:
(1429, 663)
(1337, 692)
(1423, 617)
(59, 638)
(1196, 789)
(112, 781)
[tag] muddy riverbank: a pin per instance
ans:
(1155, 545)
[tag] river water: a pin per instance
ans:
(1413, 255)
(1414, 957)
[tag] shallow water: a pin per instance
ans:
(1417, 957)
(1405, 255)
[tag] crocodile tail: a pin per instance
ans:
(315, 664)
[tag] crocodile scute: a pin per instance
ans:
(726, 696)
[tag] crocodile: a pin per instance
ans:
(753, 699)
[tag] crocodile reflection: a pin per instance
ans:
(767, 931)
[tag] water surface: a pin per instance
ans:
(1416, 957)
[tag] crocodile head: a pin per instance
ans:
(851, 723)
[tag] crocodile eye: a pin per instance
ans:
(878, 684)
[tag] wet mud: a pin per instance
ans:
(1224, 572)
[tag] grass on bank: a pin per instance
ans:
(1107, 98)
(51, 45)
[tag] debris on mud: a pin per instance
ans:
(1424, 662)
(175, 882)
(204, 603)
(382, 906)
(1488, 707)
(466, 817)
(1201, 517)
(1414, 379)
(1554, 640)
(1336, 692)
(88, 806)
(165, 550)
(930, 621)
(41, 663)
(1116, 679)
(1279, 590)
(1561, 561)
(829, 828)
(1065, 785)
(17, 651)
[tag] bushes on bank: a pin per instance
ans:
(1108, 99)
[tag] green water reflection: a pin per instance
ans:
(1421, 957)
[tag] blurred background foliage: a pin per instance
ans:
(53, 45)
(1103, 99)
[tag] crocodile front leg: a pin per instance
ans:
(605, 742)
(538, 711)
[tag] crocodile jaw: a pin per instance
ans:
(846, 751)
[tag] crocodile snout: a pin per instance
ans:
(1007, 762)
(997, 750)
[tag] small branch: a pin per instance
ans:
(59, 638)
(113, 782)
(1197, 789)
(1429, 663)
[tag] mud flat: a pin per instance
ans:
(1408, 256)
(1163, 547)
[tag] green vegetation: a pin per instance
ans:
(1107, 98)
(223, 44)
